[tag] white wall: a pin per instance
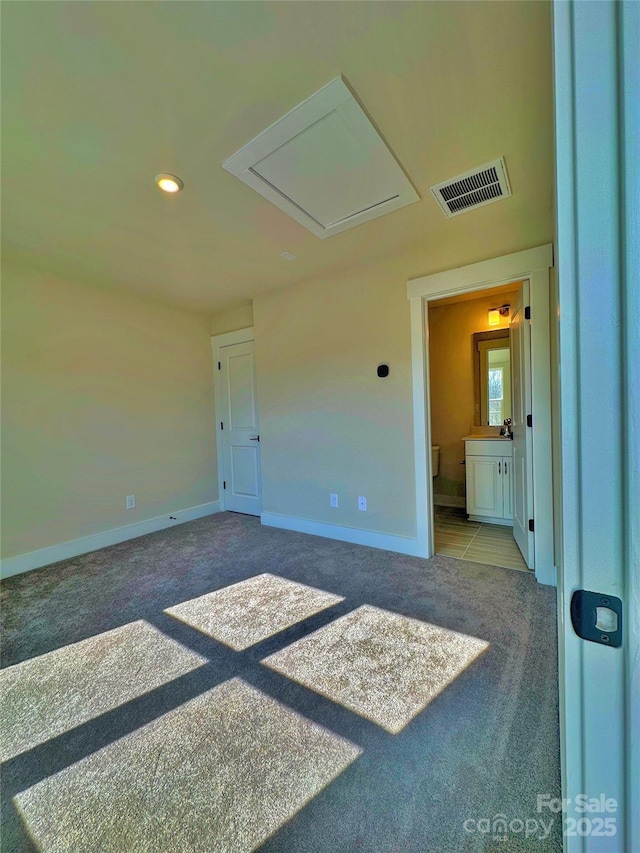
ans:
(104, 394)
(328, 423)
(230, 321)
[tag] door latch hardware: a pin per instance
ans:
(597, 617)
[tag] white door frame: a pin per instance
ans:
(597, 128)
(534, 265)
(240, 336)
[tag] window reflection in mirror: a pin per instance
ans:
(498, 386)
(492, 377)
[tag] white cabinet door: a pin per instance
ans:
(240, 429)
(507, 487)
(484, 486)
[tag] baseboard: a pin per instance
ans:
(355, 535)
(449, 500)
(488, 519)
(85, 544)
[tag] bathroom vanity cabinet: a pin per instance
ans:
(489, 479)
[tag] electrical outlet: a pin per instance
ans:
(130, 502)
(362, 504)
(333, 500)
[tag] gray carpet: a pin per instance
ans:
(344, 699)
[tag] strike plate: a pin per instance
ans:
(597, 617)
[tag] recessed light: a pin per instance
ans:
(169, 183)
(288, 256)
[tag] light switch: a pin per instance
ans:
(606, 619)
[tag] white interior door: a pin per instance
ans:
(240, 429)
(520, 342)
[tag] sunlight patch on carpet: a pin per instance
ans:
(248, 612)
(385, 667)
(46, 696)
(230, 766)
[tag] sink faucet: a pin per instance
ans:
(506, 429)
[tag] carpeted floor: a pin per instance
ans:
(221, 686)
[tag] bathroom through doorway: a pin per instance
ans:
(472, 389)
(489, 278)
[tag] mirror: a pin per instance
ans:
(491, 377)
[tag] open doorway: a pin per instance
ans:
(474, 399)
(531, 267)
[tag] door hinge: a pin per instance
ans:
(224, 484)
(219, 366)
(531, 525)
(529, 420)
(527, 312)
(221, 425)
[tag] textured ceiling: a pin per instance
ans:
(98, 97)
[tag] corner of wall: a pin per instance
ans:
(231, 321)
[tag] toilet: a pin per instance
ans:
(435, 459)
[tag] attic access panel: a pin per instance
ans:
(324, 164)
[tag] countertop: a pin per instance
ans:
(485, 438)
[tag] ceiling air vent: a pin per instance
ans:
(325, 164)
(476, 188)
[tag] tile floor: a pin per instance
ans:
(475, 541)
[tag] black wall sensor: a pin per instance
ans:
(383, 370)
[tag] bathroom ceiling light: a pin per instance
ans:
(168, 183)
(495, 314)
